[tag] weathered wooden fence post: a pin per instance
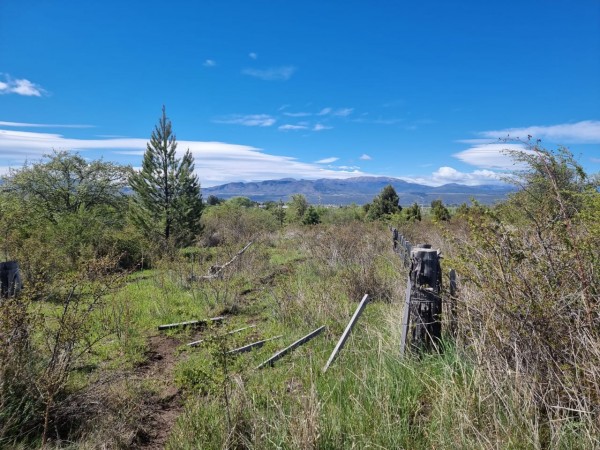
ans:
(423, 308)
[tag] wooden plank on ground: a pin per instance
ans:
(280, 354)
(191, 323)
(347, 331)
(247, 348)
(197, 343)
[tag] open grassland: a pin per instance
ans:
(141, 388)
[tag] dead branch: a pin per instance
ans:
(216, 270)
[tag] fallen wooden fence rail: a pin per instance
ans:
(281, 353)
(197, 343)
(190, 323)
(215, 271)
(247, 348)
(347, 331)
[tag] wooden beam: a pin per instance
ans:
(347, 331)
(197, 343)
(280, 354)
(247, 348)
(190, 323)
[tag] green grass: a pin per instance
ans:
(289, 285)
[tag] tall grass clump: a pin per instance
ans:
(529, 302)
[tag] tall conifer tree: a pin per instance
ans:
(167, 193)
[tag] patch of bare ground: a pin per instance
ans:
(166, 405)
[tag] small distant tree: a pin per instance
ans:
(297, 207)
(439, 212)
(386, 203)
(311, 217)
(243, 202)
(167, 192)
(413, 213)
(213, 200)
(280, 212)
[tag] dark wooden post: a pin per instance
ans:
(423, 308)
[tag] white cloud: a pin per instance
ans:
(365, 157)
(252, 55)
(321, 127)
(446, 175)
(20, 87)
(595, 160)
(209, 63)
(587, 131)
(491, 156)
(297, 114)
(41, 125)
(343, 112)
(216, 162)
(250, 120)
(272, 73)
(327, 160)
(288, 127)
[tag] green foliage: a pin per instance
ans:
(167, 192)
(311, 217)
(213, 200)
(229, 223)
(385, 204)
(439, 212)
(65, 205)
(413, 213)
(244, 202)
(297, 207)
(530, 289)
(67, 184)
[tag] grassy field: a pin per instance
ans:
(137, 387)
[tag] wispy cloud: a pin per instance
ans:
(595, 160)
(209, 63)
(272, 73)
(445, 175)
(491, 156)
(586, 131)
(41, 125)
(341, 112)
(327, 160)
(289, 127)
(20, 87)
(249, 120)
(216, 162)
(252, 55)
(297, 114)
(365, 157)
(321, 127)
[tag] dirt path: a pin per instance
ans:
(167, 405)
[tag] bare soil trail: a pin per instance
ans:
(167, 405)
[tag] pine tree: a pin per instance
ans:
(167, 193)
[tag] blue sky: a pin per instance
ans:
(305, 89)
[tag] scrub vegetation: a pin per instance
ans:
(83, 365)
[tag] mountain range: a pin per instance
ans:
(359, 190)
